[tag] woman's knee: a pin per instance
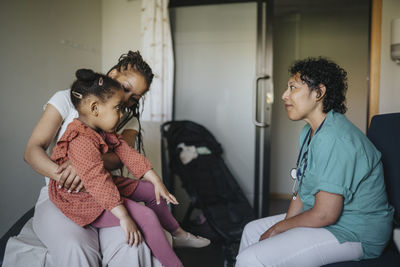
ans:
(249, 228)
(76, 251)
(247, 258)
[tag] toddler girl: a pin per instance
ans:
(111, 201)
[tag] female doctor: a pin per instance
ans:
(339, 210)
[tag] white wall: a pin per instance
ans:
(389, 100)
(341, 34)
(120, 29)
(43, 43)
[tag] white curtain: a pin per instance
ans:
(157, 51)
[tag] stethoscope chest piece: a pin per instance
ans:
(294, 176)
(293, 173)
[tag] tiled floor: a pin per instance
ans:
(212, 256)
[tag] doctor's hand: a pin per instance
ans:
(274, 230)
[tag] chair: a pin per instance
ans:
(384, 133)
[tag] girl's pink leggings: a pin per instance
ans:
(151, 219)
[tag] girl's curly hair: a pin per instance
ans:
(317, 71)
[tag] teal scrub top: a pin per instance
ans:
(342, 160)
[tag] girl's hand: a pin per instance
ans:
(132, 233)
(68, 177)
(161, 190)
(111, 139)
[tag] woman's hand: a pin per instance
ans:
(326, 211)
(274, 230)
(132, 233)
(69, 178)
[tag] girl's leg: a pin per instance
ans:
(68, 244)
(145, 193)
(300, 246)
(151, 229)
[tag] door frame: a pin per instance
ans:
(374, 59)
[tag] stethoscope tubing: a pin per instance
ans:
(295, 172)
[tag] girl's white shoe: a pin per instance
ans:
(190, 241)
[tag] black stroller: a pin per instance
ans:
(191, 152)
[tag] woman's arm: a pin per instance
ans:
(43, 133)
(35, 151)
(295, 207)
(129, 135)
(326, 211)
(111, 160)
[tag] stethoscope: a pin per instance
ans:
(296, 173)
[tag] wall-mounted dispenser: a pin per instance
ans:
(395, 43)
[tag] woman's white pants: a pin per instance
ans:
(296, 247)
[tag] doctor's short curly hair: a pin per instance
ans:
(317, 71)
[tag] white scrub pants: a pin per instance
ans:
(296, 247)
(69, 244)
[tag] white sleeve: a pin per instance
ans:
(62, 102)
(132, 124)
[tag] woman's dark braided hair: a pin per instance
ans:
(135, 61)
(89, 82)
(317, 71)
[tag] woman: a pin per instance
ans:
(339, 210)
(69, 244)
